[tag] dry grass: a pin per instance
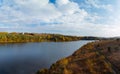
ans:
(94, 58)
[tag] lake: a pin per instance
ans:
(27, 58)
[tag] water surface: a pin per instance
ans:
(27, 58)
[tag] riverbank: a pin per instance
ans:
(100, 57)
(14, 37)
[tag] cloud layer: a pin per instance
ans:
(92, 17)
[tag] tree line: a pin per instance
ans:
(35, 37)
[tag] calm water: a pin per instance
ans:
(27, 58)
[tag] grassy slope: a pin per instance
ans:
(35, 37)
(101, 57)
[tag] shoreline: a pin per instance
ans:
(95, 57)
(35, 37)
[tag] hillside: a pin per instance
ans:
(100, 57)
(6, 37)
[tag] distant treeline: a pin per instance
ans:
(35, 37)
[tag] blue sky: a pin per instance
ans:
(71, 17)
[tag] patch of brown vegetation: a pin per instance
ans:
(100, 57)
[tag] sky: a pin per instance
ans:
(70, 17)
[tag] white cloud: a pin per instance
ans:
(62, 2)
(28, 11)
(68, 8)
(63, 17)
(30, 3)
(97, 4)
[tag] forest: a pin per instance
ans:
(6, 37)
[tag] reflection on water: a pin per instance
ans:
(27, 58)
